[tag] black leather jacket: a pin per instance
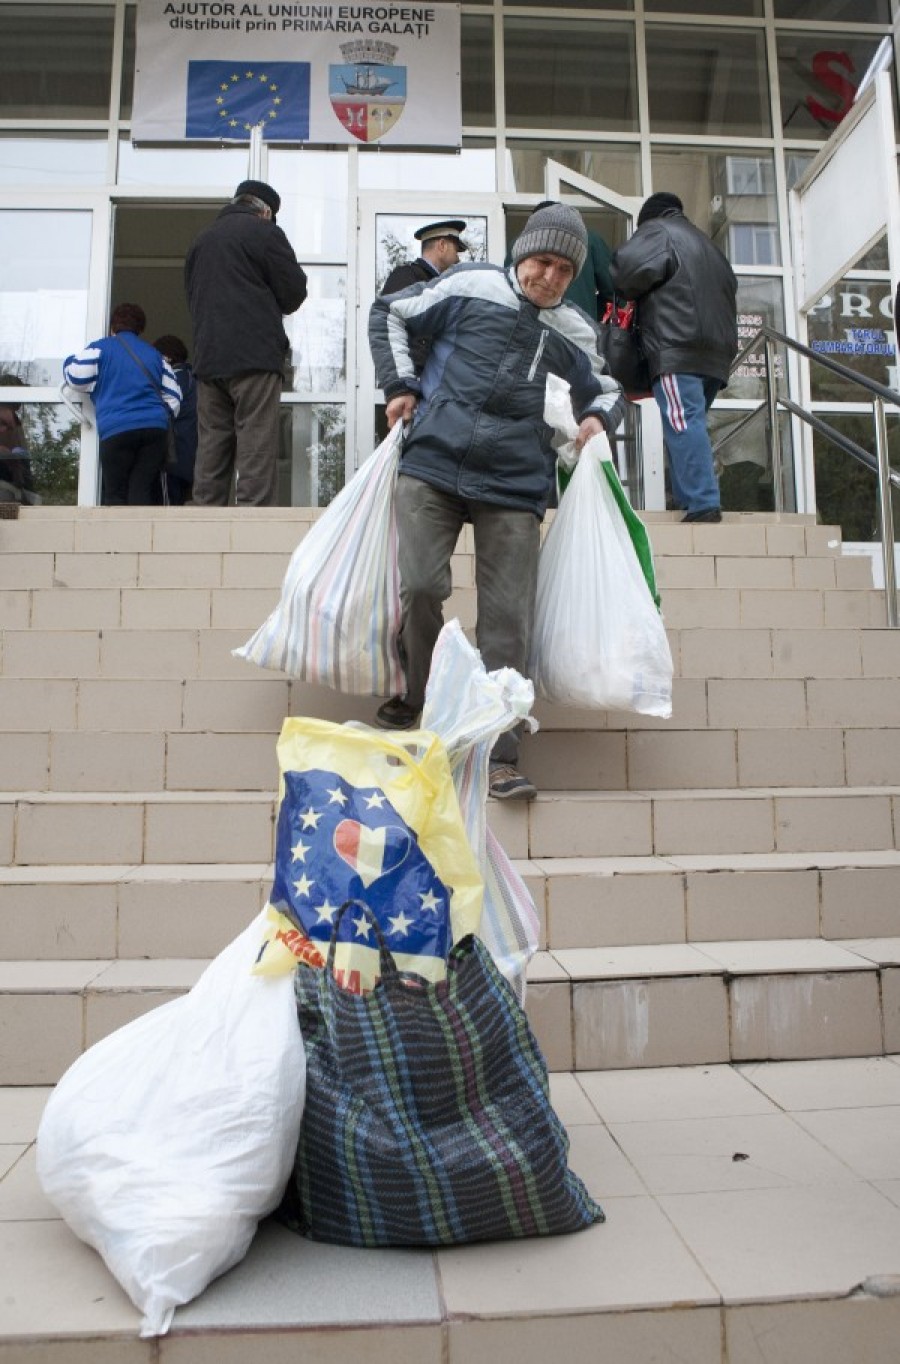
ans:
(685, 291)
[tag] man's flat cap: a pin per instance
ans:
(260, 190)
(451, 227)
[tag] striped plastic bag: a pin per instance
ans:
(338, 618)
(469, 708)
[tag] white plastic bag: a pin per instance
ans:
(469, 708)
(166, 1142)
(338, 618)
(599, 640)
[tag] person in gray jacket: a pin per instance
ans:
(478, 448)
(685, 293)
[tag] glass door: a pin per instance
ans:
(387, 224)
(613, 217)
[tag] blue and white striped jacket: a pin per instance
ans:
(124, 397)
(479, 429)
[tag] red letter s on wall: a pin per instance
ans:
(834, 81)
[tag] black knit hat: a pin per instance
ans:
(658, 204)
(557, 229)
(260, 190)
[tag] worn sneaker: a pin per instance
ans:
(507, 783)
(711, 514)
(397, 714)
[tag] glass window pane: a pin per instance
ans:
(49, 436)
(477, 71)
(616, 167)
(126, 94)
(55, 61)
(313, 189)
(760, 303)
(44, 259)
(569, 73)
(395, 243)
(318, 332)
(729, 195)
(474, 169)
(52, 160)
(743, 464)
(312, 456)
(190, 166)
(853, 324)
(849, 11)
(818, 79)
(846, 491)
(731, 8)
(707, 80)
(579, 4)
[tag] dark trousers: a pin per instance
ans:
(506, 555)
(237, 424)
(131, 464)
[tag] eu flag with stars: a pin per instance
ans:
(227, 100)
(336, 842)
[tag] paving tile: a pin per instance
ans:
(845, 1082)
(633, 1259)
(812, 1241)
(806, 1016)
(20, 1111)
(660, 1337)
(659, 1022)
(386, 1345)
(68, 1350)
(702, 1155)
(780, 955)
(21, 1197)
(665, 959)
(569, 1100)
(867, 1140)
(622, 1096)
(9, 1158)
(85, 1296)
(597, 1159)
(287, 1280)
(860, 1327)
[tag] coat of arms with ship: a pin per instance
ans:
(367, 91)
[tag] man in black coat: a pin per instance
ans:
(241, 278)
(687, 314)
(441, 248)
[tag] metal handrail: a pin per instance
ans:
(879, 464)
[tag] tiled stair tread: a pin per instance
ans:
(774, 957)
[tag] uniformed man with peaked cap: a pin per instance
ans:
(441, 247)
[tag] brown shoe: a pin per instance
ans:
(397, 714)
(507, 783)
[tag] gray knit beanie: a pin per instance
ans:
(557, 229)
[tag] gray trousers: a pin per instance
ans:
(506, 555)
(237, 427)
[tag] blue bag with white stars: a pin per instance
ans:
(364, 816)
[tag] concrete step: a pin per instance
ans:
(71, 913)
(115, 652)
(245, 608)
(591, 1008)
(665, 1277)
(75, 569)
(557, 760)
(46, 828)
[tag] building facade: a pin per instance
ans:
(724, 102)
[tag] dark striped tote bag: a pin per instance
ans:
(428, 1118)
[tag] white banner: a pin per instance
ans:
(210, 70)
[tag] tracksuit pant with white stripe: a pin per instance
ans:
(683, 401)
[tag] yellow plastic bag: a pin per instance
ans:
(367, 816)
